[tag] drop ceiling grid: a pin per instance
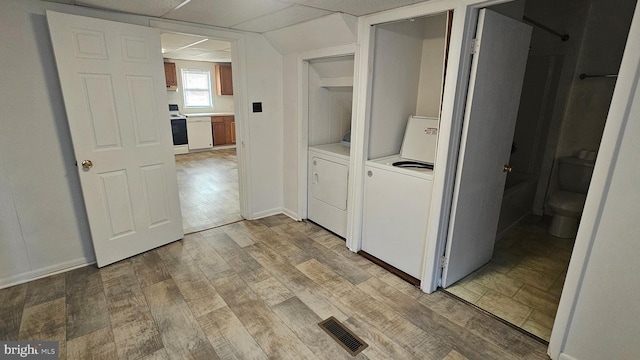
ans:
(155, 8)
(282, 18)
(248, 15)
(225, 13)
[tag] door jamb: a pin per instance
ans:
(303, 119)
(453, 106)
(243, 141)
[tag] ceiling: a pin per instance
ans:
(248, 15)
(193, 47)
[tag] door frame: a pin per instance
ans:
(465, 17)
(303, 120)
(241, 112)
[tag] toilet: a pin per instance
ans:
(574, 175)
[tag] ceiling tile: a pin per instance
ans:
(171, 41)
(144, 7)
(355, 7)
(289, 16)
(225, 13)
(215, 45)
(180, 46)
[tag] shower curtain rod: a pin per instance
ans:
(563, 37)
(584, 76)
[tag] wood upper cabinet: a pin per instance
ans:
(223, 129)
(224, 80)
(170, 76)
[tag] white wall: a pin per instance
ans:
(44, 210)
(290, 135)
(264, 84)
(430, 85)
(601, 52)
(221, 103)
(396, 73)
(326, 32)
(329, 108)
(42, 216)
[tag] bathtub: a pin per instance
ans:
(517, 201)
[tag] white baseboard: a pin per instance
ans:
(44, 272)
(291, 214)
(265, 213)
(564, 356)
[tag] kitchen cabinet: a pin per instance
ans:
(223, 129)
(170, 76)
(224, 79)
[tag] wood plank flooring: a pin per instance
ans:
(250, 290)
(208, 188)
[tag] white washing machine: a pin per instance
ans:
(328, 189)
(397, 199)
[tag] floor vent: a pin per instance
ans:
(347, 339)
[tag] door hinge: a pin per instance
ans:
(475, 46)
(443, 261)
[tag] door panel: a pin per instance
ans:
(112, 81)
(143, 109)
(101, 110)
(495, 85)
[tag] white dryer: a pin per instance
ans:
(328, 189)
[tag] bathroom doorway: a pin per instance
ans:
(561, 114)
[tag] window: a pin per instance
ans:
(196, 88)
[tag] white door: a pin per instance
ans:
(112, 81)
(495, 85)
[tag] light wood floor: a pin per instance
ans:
(208, 187)
(250, 290)
(523, 281)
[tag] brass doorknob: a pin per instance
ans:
(506, 168)
(87, 164)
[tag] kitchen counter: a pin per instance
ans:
(210, 114)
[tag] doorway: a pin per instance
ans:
(199, 84)
(561, 114)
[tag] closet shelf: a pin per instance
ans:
(344, 81)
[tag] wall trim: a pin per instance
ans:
(241, 105)
(45, 272)
(291, 214)
(266, 213)
(303, 119)
(564, 356)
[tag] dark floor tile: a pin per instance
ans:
(86, 308)
(11, 307)
(45, 289)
